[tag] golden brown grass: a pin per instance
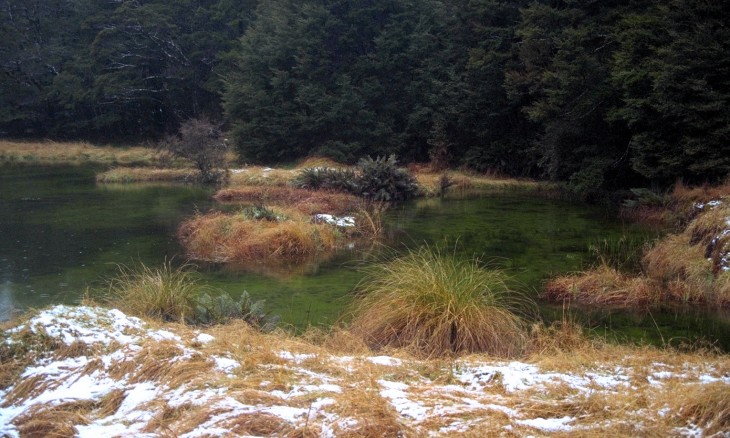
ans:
(232, 237)
(50, 152)
(166, 293)
(146, 174)
(463, 183)
(361, 408)
(303, 200)
(600, 286)
(54, 421)
(686, 267)
(431, 303)
(319, 162)
(260, 176)
(707, 406)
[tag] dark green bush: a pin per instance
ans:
(325, 178)
(377, 179)
(381, 179)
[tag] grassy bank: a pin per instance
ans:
(48, 153)
(91, 371)
(691, 265)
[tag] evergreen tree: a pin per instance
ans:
(673, 69)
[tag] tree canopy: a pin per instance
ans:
(599, 93)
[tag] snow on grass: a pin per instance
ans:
(284, 391)
(342, 221)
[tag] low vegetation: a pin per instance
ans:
(431, 303)
(226, 237)
(690, 266)
(146, 174)
(174, 294)
(76, 153)
(378, 179)
(95, 371)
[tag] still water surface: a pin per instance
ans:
(61, 235)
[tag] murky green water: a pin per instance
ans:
(60, 234)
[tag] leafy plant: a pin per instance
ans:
(174, 294)
(222, 307)
(378, 179)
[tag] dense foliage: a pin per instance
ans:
(598, 93)
(378, 179)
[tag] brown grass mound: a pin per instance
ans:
(600, 286)
(305, 201)
(231, 237)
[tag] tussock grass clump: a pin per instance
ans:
(223, 237)
(165, 293)
(691, 266)
(432, 303)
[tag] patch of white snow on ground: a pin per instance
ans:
(310, 398)
(204, 338)
(385, 360)
(549, 424)
(225, 364)
(342, 221)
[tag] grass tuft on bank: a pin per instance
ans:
(690, 266)
(166, 293)
(432, 303)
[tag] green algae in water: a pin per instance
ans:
(61, 233)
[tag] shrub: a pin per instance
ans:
(382, 180)
(325, 178)
(432, 304)
(377, 179)
(202, 143)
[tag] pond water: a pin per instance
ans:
(62, 235)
